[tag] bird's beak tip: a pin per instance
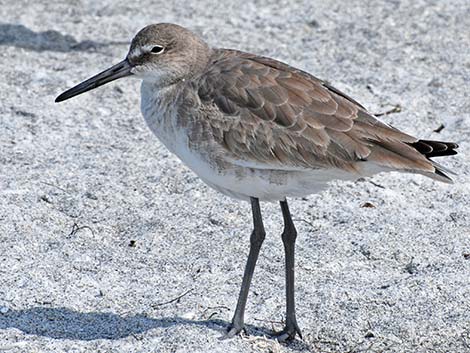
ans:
(58, 99)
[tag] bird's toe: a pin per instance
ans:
(288, 333)
(233, 330)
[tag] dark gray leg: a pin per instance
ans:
(256, 239)
(288, 238)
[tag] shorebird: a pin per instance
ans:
(257, 129)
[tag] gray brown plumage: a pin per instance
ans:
(257, 129)
(275, 114)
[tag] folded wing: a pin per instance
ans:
(277, 117)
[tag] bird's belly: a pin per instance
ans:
(271, 185)
(243, 182)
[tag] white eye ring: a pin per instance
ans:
(157, 49)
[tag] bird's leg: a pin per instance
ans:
(256, 239)
(288, 238)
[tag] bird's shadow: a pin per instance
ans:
(22, 37)
(64, 323)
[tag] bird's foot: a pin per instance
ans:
(289, 332)
(233, 330)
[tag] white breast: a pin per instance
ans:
(161, 117)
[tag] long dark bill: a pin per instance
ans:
(122, 69)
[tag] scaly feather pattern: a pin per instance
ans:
(274, 115)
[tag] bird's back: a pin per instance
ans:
(274, 116)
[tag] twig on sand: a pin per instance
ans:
(439, 128)
(395, 109)
(375, 184)
(305, 221)
(55, 186)
(172, 300)
(76, 228)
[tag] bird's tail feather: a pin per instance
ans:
(414, 157)
(429, 149)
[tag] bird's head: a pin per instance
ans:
(161, 53)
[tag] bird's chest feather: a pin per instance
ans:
(179, 132)
(160, 114)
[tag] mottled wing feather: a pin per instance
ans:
(275, 116)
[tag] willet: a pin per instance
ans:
(257, 129)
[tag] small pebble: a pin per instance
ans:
(368, 205)
(189, 315)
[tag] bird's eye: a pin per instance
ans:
(157, 49)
